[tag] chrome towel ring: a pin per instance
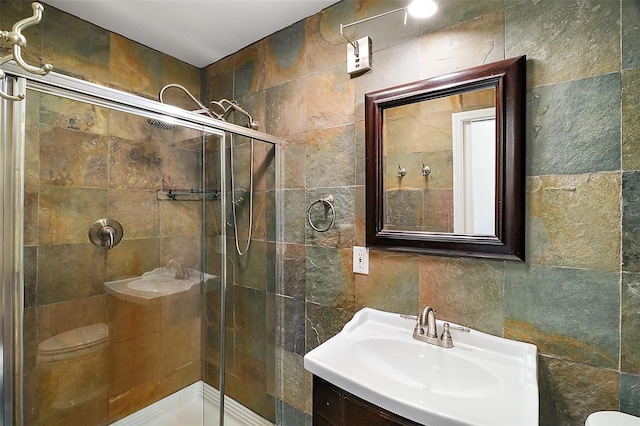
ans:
(327, 201)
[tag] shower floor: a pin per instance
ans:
(192, 406)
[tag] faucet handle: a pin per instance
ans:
(461, 328)
(445, 336)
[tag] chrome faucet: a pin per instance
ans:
(182, 273)
(427, 319)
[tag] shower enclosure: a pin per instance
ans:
(122, 285)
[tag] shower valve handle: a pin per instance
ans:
(105, 233)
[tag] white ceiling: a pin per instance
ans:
(198, 32)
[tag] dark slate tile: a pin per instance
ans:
(293, 258)
(454, 12)
(330, 157)
(631, 120)
(329, 279)
(630, 337)
(563, 40)
(570, 313)
(71, 271)
(323, 322)
(291, 416)
(342, 233)
(285, 55)
(570, 391)
(293, 218)
(559, 141)
(630, 394)
(291, 330)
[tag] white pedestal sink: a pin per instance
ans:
(482, 380)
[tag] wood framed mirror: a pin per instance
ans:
(445, 163)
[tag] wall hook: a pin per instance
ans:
(18, 41)
(426, 170)
(401, 171)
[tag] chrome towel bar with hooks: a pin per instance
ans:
(18, 41)
(327, 201)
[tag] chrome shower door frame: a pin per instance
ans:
(12, 142)
(12, 138)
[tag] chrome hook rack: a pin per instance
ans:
(18, 41)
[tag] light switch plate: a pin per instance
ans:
(361, 260)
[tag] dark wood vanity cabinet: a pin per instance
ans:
(333, 406)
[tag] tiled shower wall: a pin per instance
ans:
(576, 296)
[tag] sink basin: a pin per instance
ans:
(157, 283)
(432, 371)
(482, 380)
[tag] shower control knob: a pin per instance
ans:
(105, 233)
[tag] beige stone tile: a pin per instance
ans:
(340, 88)
(465, 291)
(476, 42)
(134, 165)
(135, 67)
(83, 52)
(66, 114)
(70, 271)
(133, 399)
(60, 317)
(574, 220)
(65, 214)
(180, 345)
(132, 258)
(135, 362)
(73, 388)
(137, 211)
(560, 49)
(128, 319)
(72, 158)
(182, 377)
(325, 47)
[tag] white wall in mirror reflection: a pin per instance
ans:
(474, 156)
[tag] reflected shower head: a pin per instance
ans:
(162, 125)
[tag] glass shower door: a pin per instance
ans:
(114, 325)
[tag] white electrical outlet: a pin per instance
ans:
(361, 260)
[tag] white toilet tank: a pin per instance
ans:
(612, 418)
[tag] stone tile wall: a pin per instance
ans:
(576, 296)
(84, 163)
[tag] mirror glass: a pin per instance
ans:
(445, 163)
(447, 147)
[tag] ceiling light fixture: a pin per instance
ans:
(359, 51)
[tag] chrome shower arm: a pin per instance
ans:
(202, 109)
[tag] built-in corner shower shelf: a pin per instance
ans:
(187, 194)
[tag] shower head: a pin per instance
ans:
(224, 107)
(162, 125)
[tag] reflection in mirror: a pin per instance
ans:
(445, 163)
(455, 137)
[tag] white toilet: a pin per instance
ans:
(612, 418)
